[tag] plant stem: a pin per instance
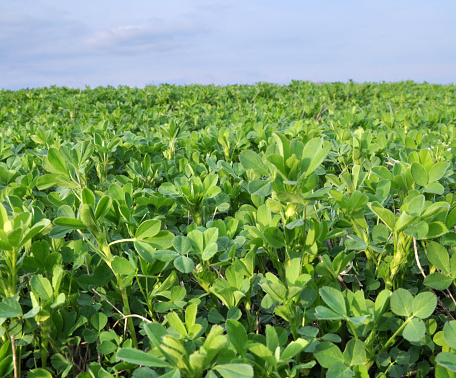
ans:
(353, 329)
(391, 339)
(130, 325)
(121, 241)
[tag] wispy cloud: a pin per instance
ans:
(158, 37)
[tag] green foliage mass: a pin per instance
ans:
(239, 231)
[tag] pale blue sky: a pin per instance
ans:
(137, 42)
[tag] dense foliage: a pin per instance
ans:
(239, 231)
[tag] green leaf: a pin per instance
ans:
(164, 254)
(105, 347)
(103, 207)
(384, 214)
(5, 349)
(184, 264)
(197, 241)
(419, 174)
(291, 197)
(122, 266)
(315, 151)
(435, 209)
(436, 229)
(182, 245)
(438, 281)
(356, 202)
(401, 302)
(435, 188)
(6, 365)
(453, 266)
(65, 211)
(274, 237)
(438, 256)
(237, 336)
(88, 218)
(155, 332)
(403, 221)
(438, 170)
(283, 145)
(39, 373)
(447, 360)
(260, 187)
(35, 230)
(163, 240)
(3, 216)
(292, 271)
(146, 251)
(88, 197)
(293, 349)
(439, 371)
(355, 353)
(138, 357)
(66, 183)
(209, 251)
(339, 370)
(97, 371)
(451, 219)
(423, 305)
(414, 331)
(234, 370)
(328, 354)
(449, 334)
(272, 340)
(380, 303)
(46, 181)
(99, 321)
(54, 163)
(334, 299)
(416, 205)
(251, 160)
(261, 351)
(418, 230)
(358, 319)
(355, 243)
(276, 290)
(324, 313)
(10, 308)
(190, 315)
(175, 322)
(383, 172)
(70, 223)
(148, 229)
(41, 287)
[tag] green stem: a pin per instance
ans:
(304, 237)
(391, 339)
(293, 321)
(130, 325)
(121, 241)
(13, 276)
(95, 249)
(105, 252)
(353, 329)
(146, 298)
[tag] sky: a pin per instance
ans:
(137, 42)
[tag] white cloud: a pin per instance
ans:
(157, 37)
